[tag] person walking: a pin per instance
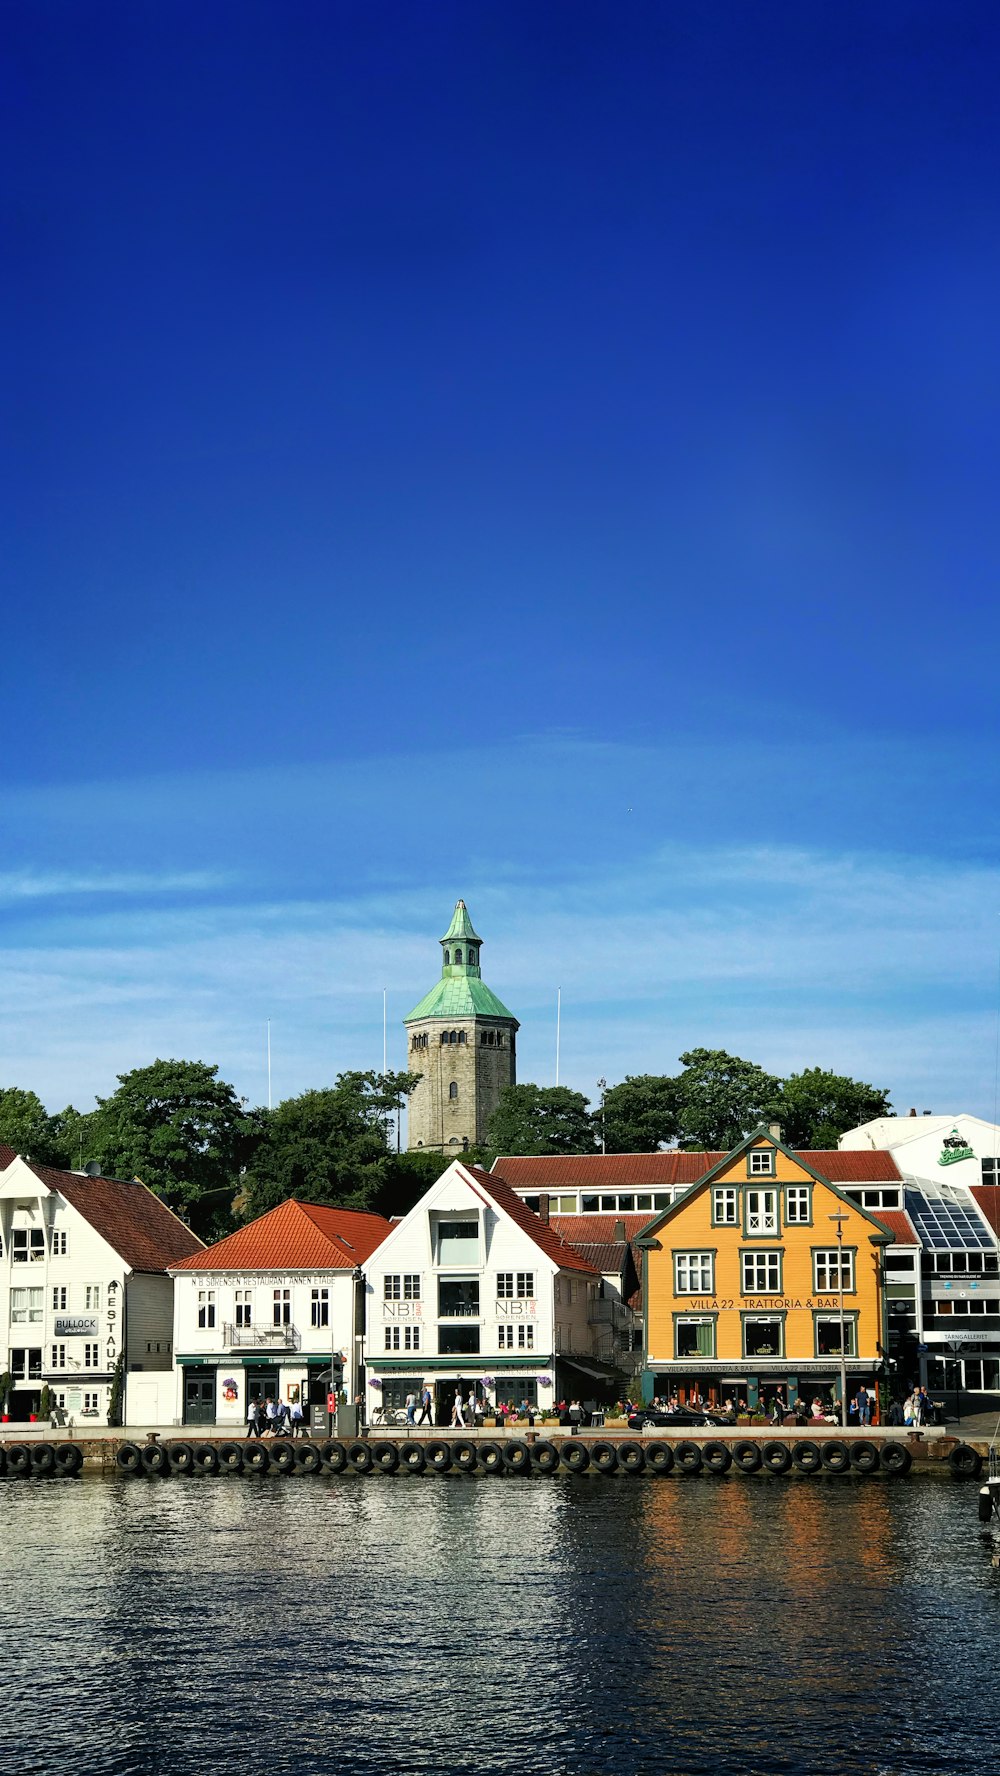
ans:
(298, 1419)
(426, 1406)
(864, 1405)
(255, 1421)
(470, 1406)
(456, 1411)
(271, 1416)
(411, 1409)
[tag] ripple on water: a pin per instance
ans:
(564, 1626)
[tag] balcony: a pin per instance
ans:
(282, 1338)
(611, 1313)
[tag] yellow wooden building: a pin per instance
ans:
(761, 1281)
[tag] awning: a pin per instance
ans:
(582, 1368)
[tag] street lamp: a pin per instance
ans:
(602, 1086)
(840, 1218)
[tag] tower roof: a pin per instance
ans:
(461, 925)
(461, 992)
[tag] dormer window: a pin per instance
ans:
(760, 1162)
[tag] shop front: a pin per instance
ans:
(752, 1387)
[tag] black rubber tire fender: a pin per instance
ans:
(516, 1457)
(604, 1457)
(43, 1458)
(864, 1458)
(575, 1456)
(688, 1458)
(282, 1456)
(776, 1458)
(385, 1457)
(631, 1458)
(965, 1462)
(806, 1457)
(69, 1459)
(465, 1455)
(307, 1458)
(834, 1456)
(717, 1457)
(231, 1456)
(359, 1457)
(747, 1457)
(256, 1459)
(412, 1458)
(334, 1456)
(491, 1458)
(129, 1458)
(659, 1458)
(18, 1459)
(896, 1458)
(154, 1459)
(180, 1457)
(205, 1458)
(545, 1457)
(439, 1455)
(3, 1460)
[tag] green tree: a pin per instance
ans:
(26, 1126)
(179, 1128)
(540, 1119)
(640, 1114)
(722, 1098)
(816, 1107)
(328, 1146)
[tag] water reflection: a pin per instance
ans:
(575, 1625)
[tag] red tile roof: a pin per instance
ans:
(584, 1230)
(136, 1224)
(987, 1198)
(296, 1236)
(649, 1171)
(543, 1233)
(7, 1155)
(898, 1223)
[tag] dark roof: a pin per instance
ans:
(135, 1223)
(296, 1236)
(631, 1171)
(543, 1234)
(898, 1223)
(987, 1198)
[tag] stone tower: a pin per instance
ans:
(461, 1039)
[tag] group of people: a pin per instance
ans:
(916, 1409)
(275, 1418)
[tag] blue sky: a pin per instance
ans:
(545, 454)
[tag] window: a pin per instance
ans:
(60, 1245)
(724, 1206)
(662, 1199)
(505, 1337)
(27, 1245)
(91, 1402)
(244, 1307)
(92, 1356)
(453, 1091)
(458, 1341)
(447, 963)
(760, 1162)
(515, 1284)
(319, 1307)
(695, 1338)
(761, 1273)
(461, 1037)
(763, 1337)
(206, 1309)
(458, 1242)
(59, 1300)
(761, 1212)
(520, 1337)
(458, 958)
(26, 1365)
(402, 1338)
(282, 1307)
(472, 958)
(25, 1305)
(693, 1273)
(458, 1300)
(797, 1205)
(93, 1294)
(828, 1336)
(829, 1274)
(643, 1202)
(589, 1205)
(401, 1286)
(58, 1356)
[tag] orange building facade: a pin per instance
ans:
(761, 1282)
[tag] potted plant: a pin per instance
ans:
(45, 1402)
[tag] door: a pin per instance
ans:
(199, 1399)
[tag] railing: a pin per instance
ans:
(262, 1337)
(459, 1310)
(610, 1313)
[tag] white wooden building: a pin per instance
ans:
(83, 1279)
(472, 1290)
(273, 1311)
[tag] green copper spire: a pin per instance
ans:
(461, 991)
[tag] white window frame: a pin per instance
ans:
(92, 1356)
(767, 1217)
(755, 1262)
(686, 1265)
(60, 1296)
(206, 1310)
(760, 1162)
(827, 1266)
(60, 1243)
(319, 1308)
(725, 1196)
(798, 1196)
(243, 1307)
(93, 1297)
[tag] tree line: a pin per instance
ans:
(219, 1162)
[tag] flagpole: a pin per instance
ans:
(269, 1063)
(558, 1028)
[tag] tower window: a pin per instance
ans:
(447, 958)
(453, 1090)
(461, 1035)
(458, 957)
(472, 958)
(454, 1036)
(444, 1036)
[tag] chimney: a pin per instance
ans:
(619, 1234)
(774, 1130)
(913, 1113)
(543, 1208)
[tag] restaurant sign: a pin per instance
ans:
(76, 1326)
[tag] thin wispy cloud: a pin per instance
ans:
(28, 885)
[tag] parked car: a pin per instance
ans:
(680, 1417)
